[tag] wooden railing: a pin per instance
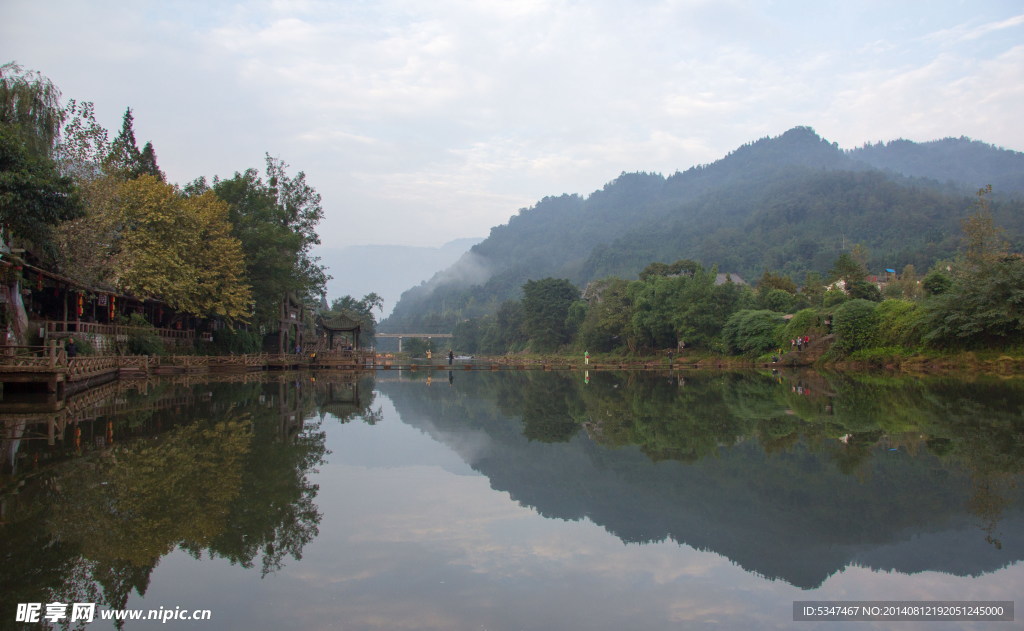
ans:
(73, 326)
(32, 358)
(238, 361)
(188, 362)
(82, 367)
(53, 359)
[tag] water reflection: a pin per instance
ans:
(793, 478)
(100, 487)
(385, 500)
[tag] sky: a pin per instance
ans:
(423, 121)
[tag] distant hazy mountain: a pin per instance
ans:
(789, 204)
(387, 270)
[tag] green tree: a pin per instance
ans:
(505, 331)
(804, 322)
(701, 309)
(984, 244)
(847, 269)
(854, 323)
(900, 323)
(983, 302)
(275, 222)
(982, 308)
(651, 322)
(682, 267)
(147, 162)
(814, 288)
(864, 290)
(84, 143)
(752, 332)
(546, 305)
(359, 310)
(771, 280)
(124, 159)
(34, 197)
(30, 108)
(609, 311)
(299, 206)
(777, 300)
(936, 282)
(909, 285)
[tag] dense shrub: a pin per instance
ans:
(142, 338)
(804, 322)
(854, 323)
(753, 331)
(900, 323)
(834, 297)
(936, 283)
(778, 300)
(865, 291)
(236, 342)
(983, 307)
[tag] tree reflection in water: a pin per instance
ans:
(221, 469)
(792, 475)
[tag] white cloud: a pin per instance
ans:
(472, 109)
(969, 31)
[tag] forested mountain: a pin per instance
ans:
(789, 204)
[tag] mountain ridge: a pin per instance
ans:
(788, 203)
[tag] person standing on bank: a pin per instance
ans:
(586, 357)
(451, 357)
(71, 348)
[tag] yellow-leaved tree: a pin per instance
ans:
(175, 248)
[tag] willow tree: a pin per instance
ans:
(30, 105)
(34, 195)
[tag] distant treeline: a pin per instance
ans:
(975, 300)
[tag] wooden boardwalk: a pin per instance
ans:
(52, 368)
(49, 368)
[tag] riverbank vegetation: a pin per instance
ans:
(962, 310)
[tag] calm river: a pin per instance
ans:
(513, 500)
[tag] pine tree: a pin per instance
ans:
(983, 240)
(147, 163)
(125, 159)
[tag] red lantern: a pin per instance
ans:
(81, 304)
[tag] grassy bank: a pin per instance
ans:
(997, 362)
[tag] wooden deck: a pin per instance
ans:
(49, 368)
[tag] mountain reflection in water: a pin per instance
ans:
(792, 477)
